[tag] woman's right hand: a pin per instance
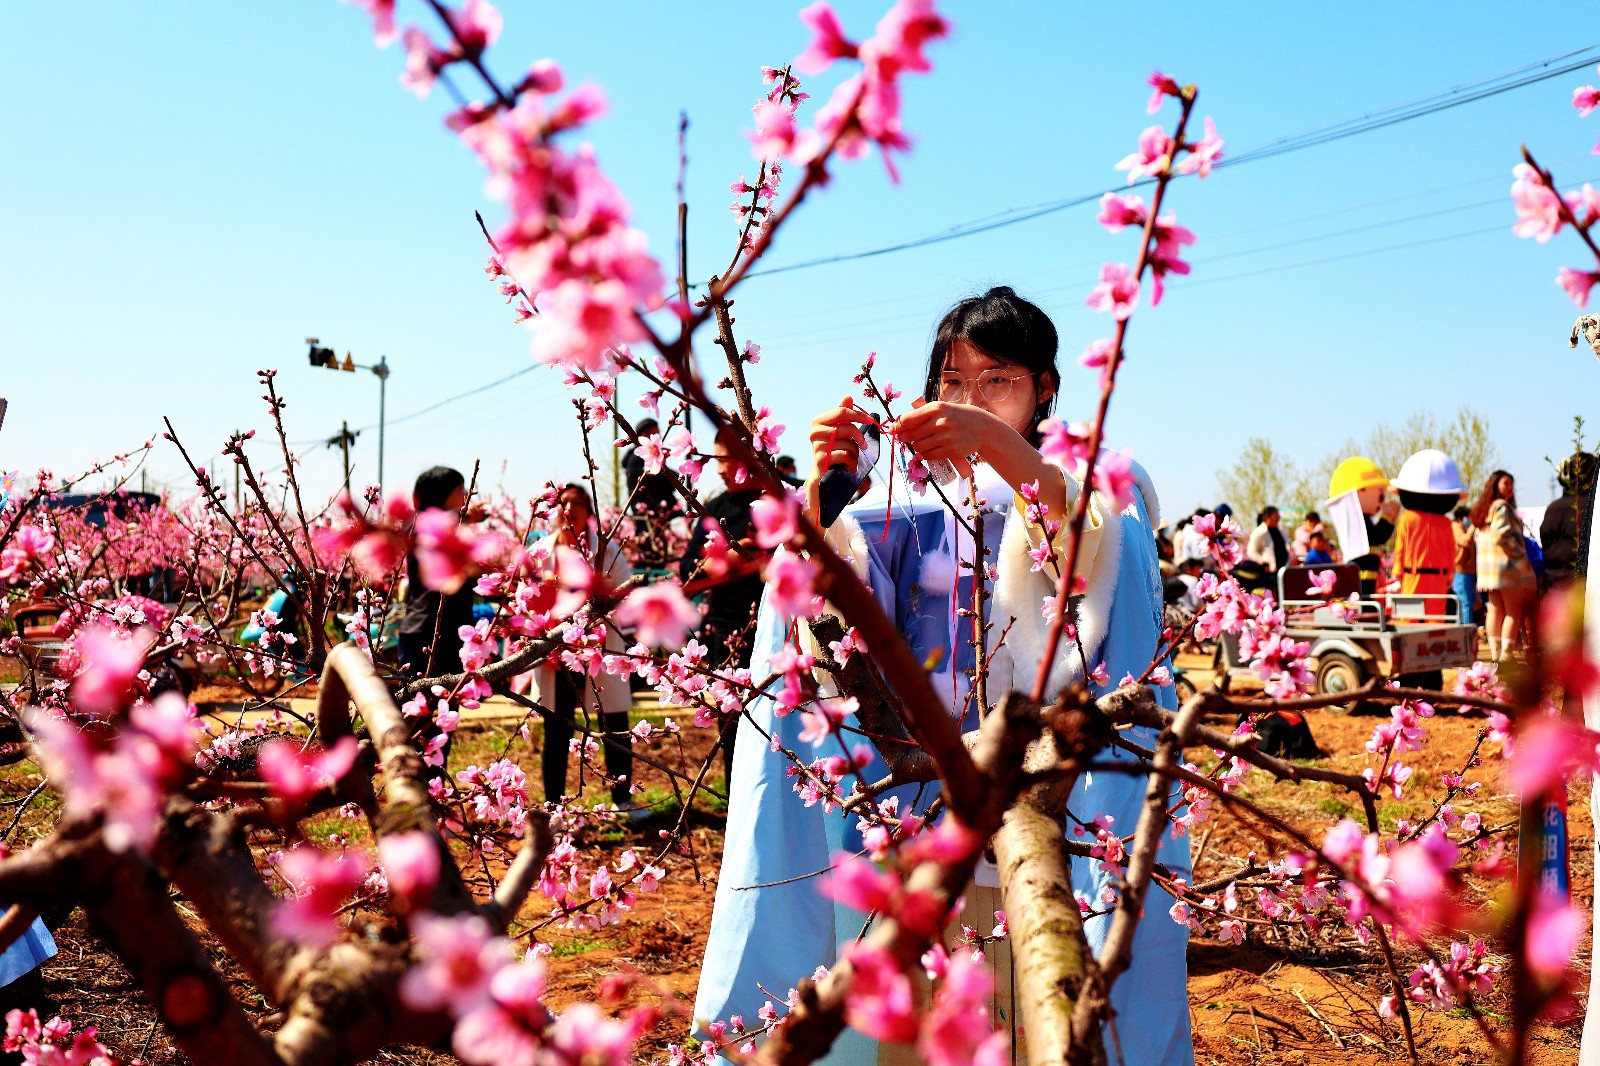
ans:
(835, 439)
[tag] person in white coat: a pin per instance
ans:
(573, 700)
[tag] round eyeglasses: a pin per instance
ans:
(992, 386)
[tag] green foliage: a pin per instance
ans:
(1264, 475)
(580, 946)
(1335, 807)
(1464, 439)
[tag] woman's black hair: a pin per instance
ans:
(588, 501)
(434, 487)
(1312, 516)
(1004, 327)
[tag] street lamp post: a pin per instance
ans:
(382, 370)
(326, 357)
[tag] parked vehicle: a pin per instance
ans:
(36, 625)
(1385, 636)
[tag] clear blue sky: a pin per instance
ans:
(192, 190)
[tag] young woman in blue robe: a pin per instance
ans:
(992, 377)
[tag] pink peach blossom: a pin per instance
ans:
(321, 883)
(1577, 283)
(477, 25)
(1322, 583)
(901, 33)
(1118, 291)
(828, 41)
(382, 12)
(880, 1003)
(411, 864)
(295, 774)
(776, 519)
(774, 134)
(1549, 750)
(457, 958)
(112, 662)
(1098, 354)
(660, 615)
(1554, 929)
(423, 62)
(1204, 154)
(789, 584)
(1163, 87)
(1113, 477)
(1065, 445)
(444, 555)
(1537, 205)
(1118, 211)
(1155, 151)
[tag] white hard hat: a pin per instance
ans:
(1430, 471)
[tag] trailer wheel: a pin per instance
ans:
(1338, 672)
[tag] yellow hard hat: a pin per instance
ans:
(1356, 472)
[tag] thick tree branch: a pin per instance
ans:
(877, 710)
(1052, 960)
(998, 757)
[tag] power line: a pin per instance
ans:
(1497, 228)
(436, 405)
(1365, 123)
(849, 330)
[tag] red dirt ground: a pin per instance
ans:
(1264, 1001)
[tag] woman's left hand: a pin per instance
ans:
(948, 431)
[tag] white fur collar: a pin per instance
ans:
(1020, 593)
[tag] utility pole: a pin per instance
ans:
(326, 357)
(382, 370)
(342, 440)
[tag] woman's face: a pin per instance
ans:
(1006, 390)
(574, 510)
(1507, 489)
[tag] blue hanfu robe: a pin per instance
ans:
(27, 952)
(767, 935)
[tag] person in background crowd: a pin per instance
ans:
(1165, 552)
(1565, 517)
(652, 499)
(431, 614)
(1267, 545)
(564, 691)
(1304, 532)
(1189, 572)
(731, 598)
(1191, 545)
(1362, 516)
(428, 611)
(1504, 572)
(1317, 552)
(1465, 585)
(1424, 546)
(786, 470)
